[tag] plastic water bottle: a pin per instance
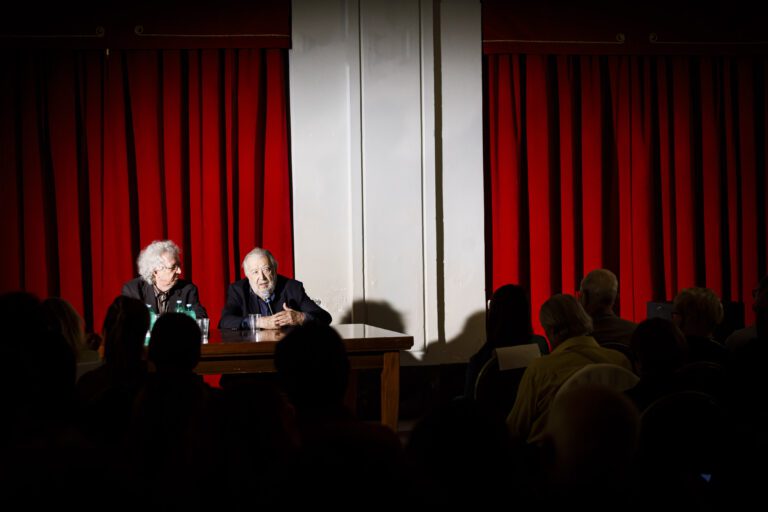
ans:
(191, 312)
(179, 307)
(152, 318)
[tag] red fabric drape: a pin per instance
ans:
(103, 153)
(651, 166)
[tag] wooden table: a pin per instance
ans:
(230, 351)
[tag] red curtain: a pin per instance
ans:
(651, 166)
(101, 153)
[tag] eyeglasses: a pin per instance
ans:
(267, 271)
(173, 268)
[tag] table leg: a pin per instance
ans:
(390, 389)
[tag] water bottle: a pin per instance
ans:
(152, 318)
(179, 307)
(191, 312)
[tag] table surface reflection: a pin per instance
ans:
(357, 338)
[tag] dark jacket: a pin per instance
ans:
(186, 291)
(287, 291)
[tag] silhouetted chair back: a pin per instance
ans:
(498, 380)
(684, 436)
(703, 376)
(606, 374)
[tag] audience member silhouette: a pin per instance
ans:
(43, 458)
(589, 448)
(567, 326)
(748, 385)
(20, 314)
(463, 456)
(659, 349)
(507, 323)
(106, 394)
(59, 316)
(597, 294)
(260, 441)
(685, 440)
(741, 336)
(337, 448)
(697, 312)
(175, 429)
(745, 480)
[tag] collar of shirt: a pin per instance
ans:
(271, 297)
(161, 298)
(576, 341)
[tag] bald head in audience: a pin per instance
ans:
(597, 293)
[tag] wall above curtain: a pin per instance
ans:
(148, 25)
(629, 28)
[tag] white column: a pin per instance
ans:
(388, 219)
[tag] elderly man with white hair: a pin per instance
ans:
(281, 301)
(567, 327)
(597, 295)
(159, 283)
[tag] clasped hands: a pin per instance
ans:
(284, 318)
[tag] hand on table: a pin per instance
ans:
(287, 317)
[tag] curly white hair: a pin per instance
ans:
(149, 258)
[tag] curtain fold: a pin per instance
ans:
(101, 153)
(651, 166)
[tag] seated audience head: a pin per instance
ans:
(175, 343)
(562, 317)
(697, 311)
(124, 331)
(762, 286)
(591, 436)
(20, 314)
(260, 267)
(159, 264)
(313, 367)
(658, 347)
(20, 311)
(48, 375)
(598, 291)
(509, 316)
(59, 316)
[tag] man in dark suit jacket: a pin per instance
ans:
(159, 284)
(281, 301)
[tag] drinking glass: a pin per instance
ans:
(204, 323)
(253, 321)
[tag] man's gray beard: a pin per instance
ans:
(265, 294)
